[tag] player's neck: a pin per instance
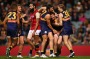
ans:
(18, 12)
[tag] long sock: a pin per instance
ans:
(30, 52)
(71, 51)
(10, 47)
(42, 52)
(37, 48)
(51, 51)
(19, 53)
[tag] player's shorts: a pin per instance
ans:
(12, 33)
(67, 28)
(21, 33)
(31, 32)
(12, 30)
(44, 28)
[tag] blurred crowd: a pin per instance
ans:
(78, 9)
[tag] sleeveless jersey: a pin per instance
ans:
(33, 20)
(12, 23)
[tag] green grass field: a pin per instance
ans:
(62, 57)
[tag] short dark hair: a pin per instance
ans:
(62, 6)
(19, 5)
(14, 7)
(33, 4)
(49, 6)
(52, 13)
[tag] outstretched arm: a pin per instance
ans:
(4, 22)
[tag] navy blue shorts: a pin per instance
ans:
(12, 33)
(44, 28)
(66, 32)
(67, 28)
(21, 33)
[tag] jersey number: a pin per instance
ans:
(66, 14)
(12, 15)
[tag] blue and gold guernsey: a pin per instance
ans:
(44, 27)
(12, 24)
(56, 27)
(21, 28)
(67, 26)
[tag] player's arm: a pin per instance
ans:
(60, 19)
(4, 22)
(23, 20)
(40, 9)
(49, 24)
(18, 22)
(65, 19)
(37, 20)
(1, 22)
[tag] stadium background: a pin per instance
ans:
(80, 17)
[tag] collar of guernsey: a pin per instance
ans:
(43, 15)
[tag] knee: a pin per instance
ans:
(28, 40)
(21, 43)
(51, 40)
(66, 43)
(55, 43)
(44, 40)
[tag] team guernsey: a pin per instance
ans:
(33, 20)
(56, 27)
(67, 26)
(12, 24)
(21, 28)
(44, 27)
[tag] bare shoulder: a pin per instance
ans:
(47, 16)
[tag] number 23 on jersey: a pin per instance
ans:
(12, 15)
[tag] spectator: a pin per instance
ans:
(82, 18)
(79, 7)
(87, 38)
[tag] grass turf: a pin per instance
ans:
(62, 57)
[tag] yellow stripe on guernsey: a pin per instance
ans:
(43, 19)
(43, 16)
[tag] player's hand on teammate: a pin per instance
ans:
(33, 33)
(23, 15)
(54, 31)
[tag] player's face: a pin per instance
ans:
(51, 9)
(43, 9)
(19, 8)
(31, 6)
(52, 16)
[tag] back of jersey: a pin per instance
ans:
(12, 20)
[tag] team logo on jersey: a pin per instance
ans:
(45, 32)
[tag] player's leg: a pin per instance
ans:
(8, 46)
(71, 51)
(55, 43)
(10, 35)
(59, 46)
(44, 37)
(29, 40)
(21, 43)
(36, 43)
(50, 36)
(66, 38)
